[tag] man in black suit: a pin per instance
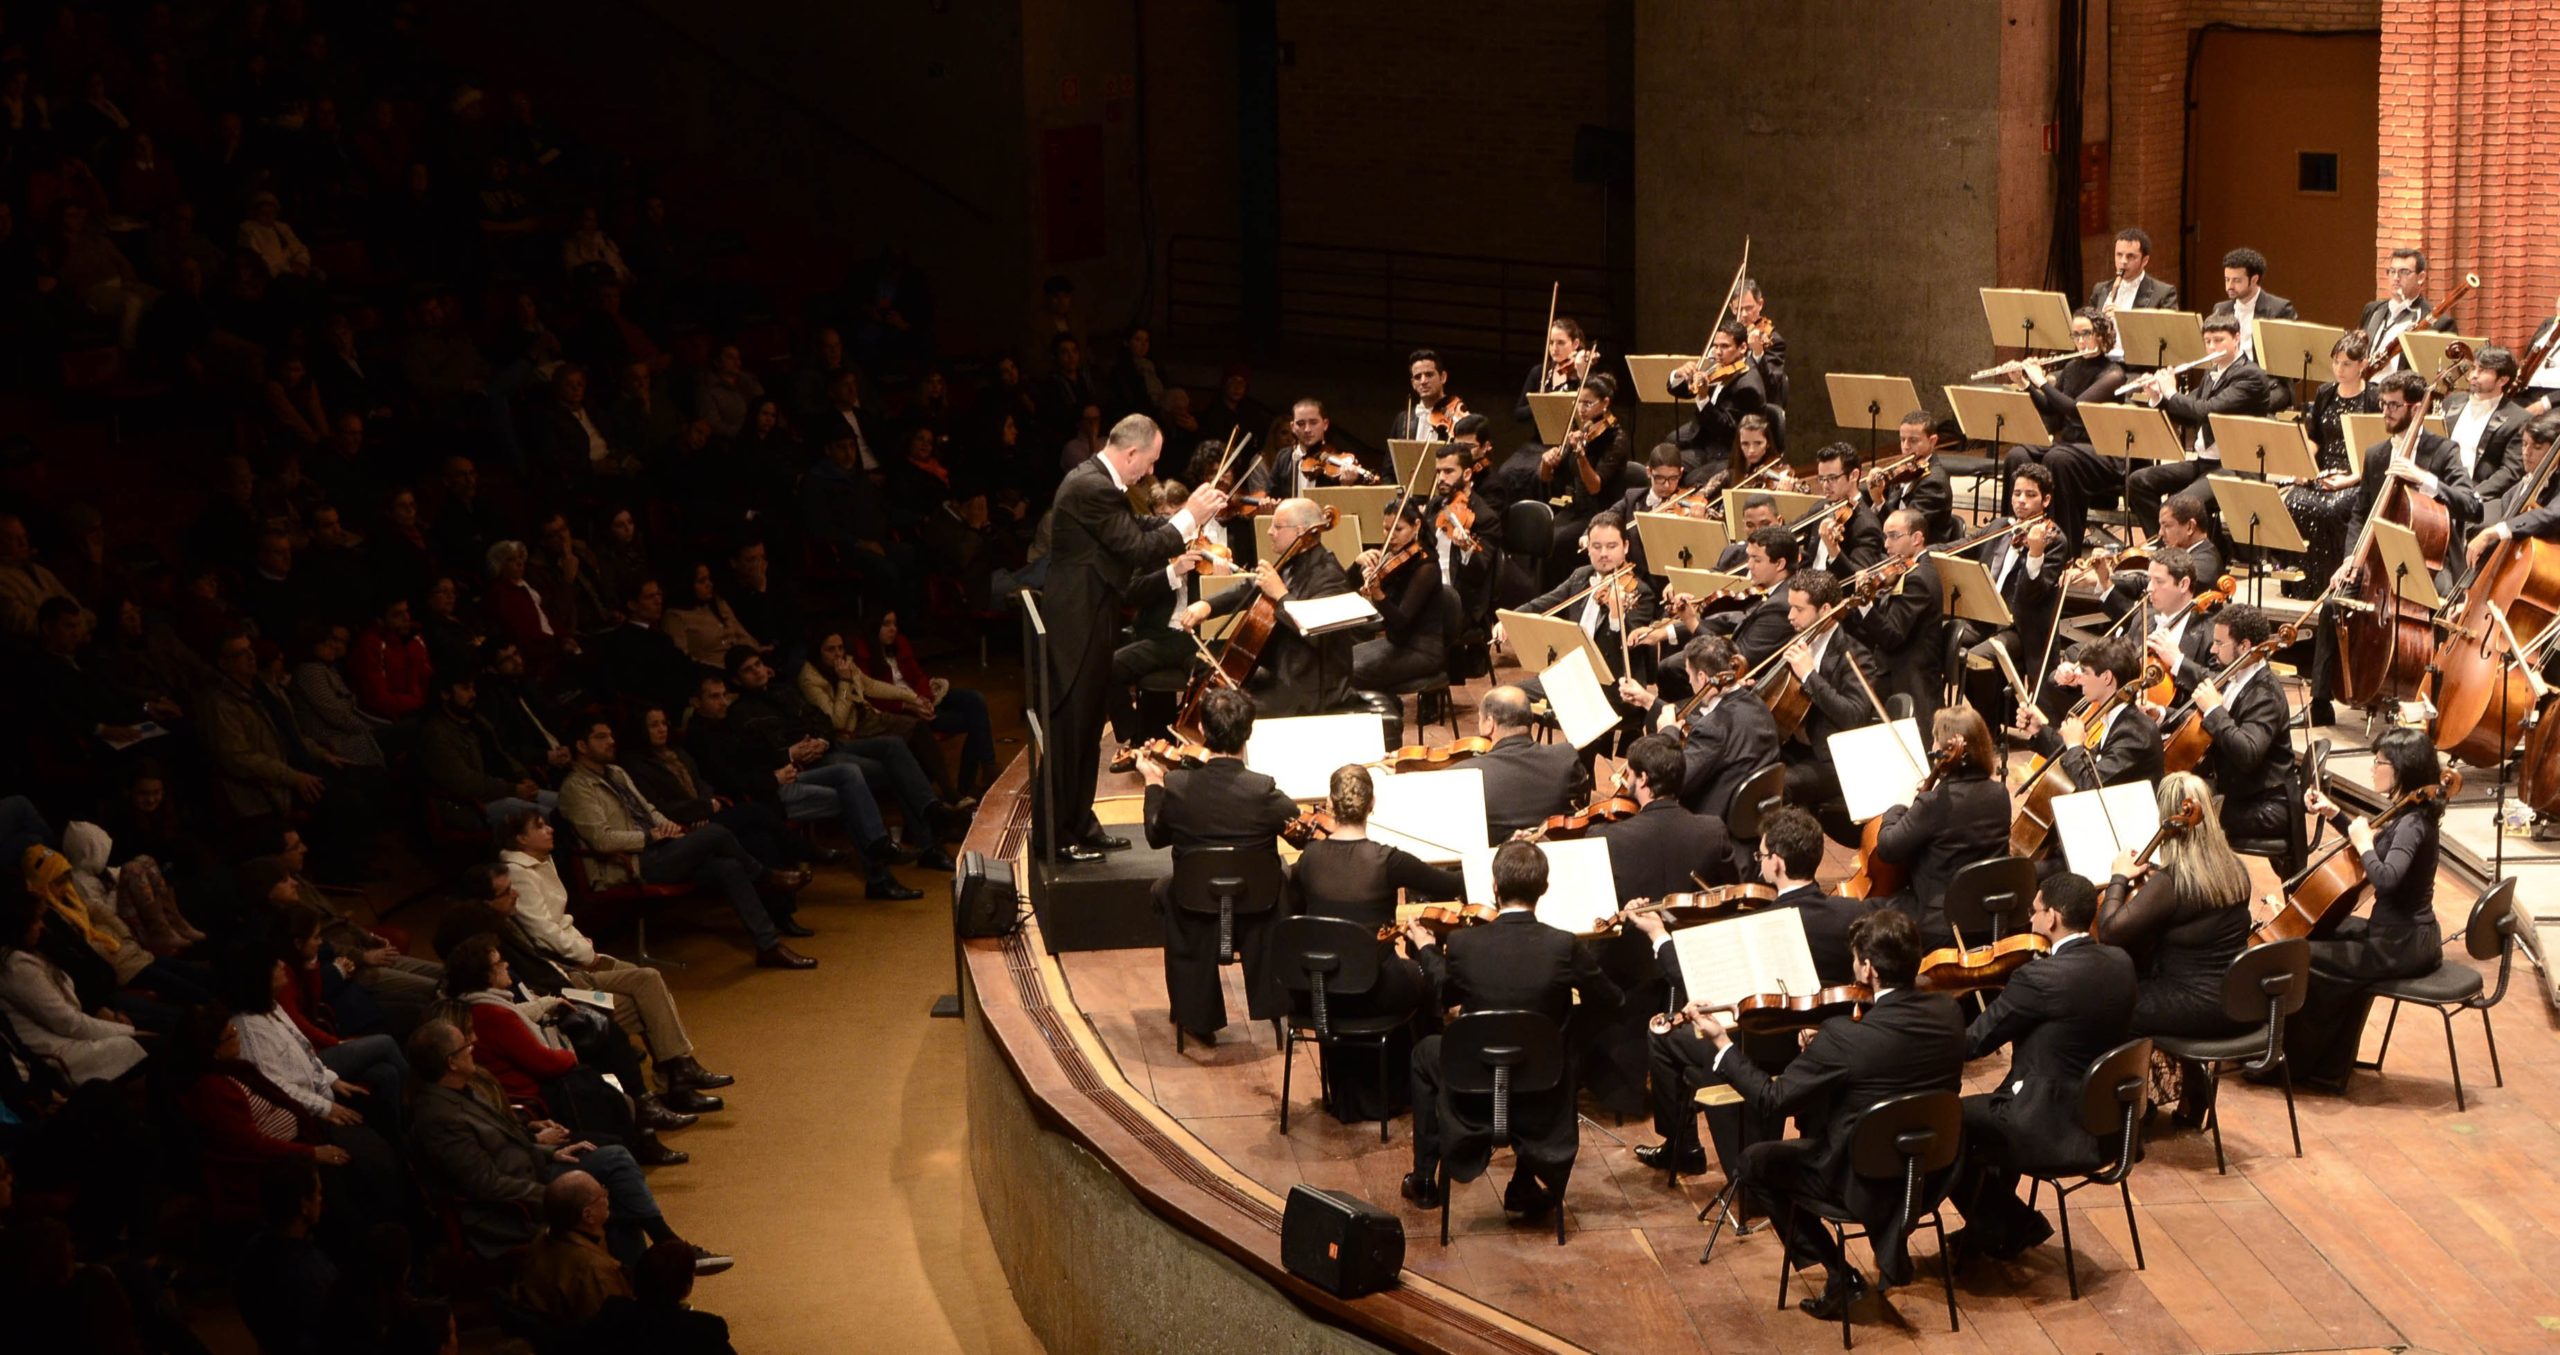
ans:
(2519, 513)
(1217, 804)
(1760, 335)
(2244, 298)
(1725, 387)
(2059, 1014)
(1517, 963)
(1096, 546)
(1790, 850)
(1657, 849)
(1758, 510)
(2484, 423)
(2405, 306)
(2231, 384)
(2178, 637)
(2251, 761)
(1906, 627)
(1730, 734)
(2128, 748)
(2433, 468)
(1525, 781)
(1909, 1041)
(1299, 674)
(1839, 676)
(2027, 566)
(2182, 528)
(2132, 287)
(1431, 401)
(1607, 615)
(1836, 548)
(1770, 556)
(1467, 560)
(1931, 492)
(1664, 468)
(1281, 471)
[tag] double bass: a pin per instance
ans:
(2385, 640)
(2478, 684)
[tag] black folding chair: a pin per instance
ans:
(2113, 1098)
(1990, 897)
(2264, 985)
(1321, 959)
(1762, 791)
(1907, 1138)
(1502, 1055)
(1231, 884)
(2455, 988)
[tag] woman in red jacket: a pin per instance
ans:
(518, 1040)
(885, 655)
(244, 1123)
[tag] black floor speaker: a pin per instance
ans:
(1345, 1245)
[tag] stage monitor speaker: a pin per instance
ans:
(984, 901)
(1342, 1244)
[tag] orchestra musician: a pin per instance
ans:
(1513, 963)
(2402, 305)
(2079, 472)
(2398, 939)
(2182, 527)
(1348, 875)
(1434, 413)
(2230, 384)
(2246, 299)
(2059, 1014)
(1961, 820)
(2251, 761)
(2514, 516)
(1837, 672)
(1656, 850)
(1525, 782)
(1402, 580)
(1906, 627)
(1842, 549)
(1282, 472)
(1930, 491)
(1758, 511)
(2184, 919)
(2484, 422)
(1770, 557)
(1730, 734)
(1768, 348)
(2028, 568)
(1219, 803)
(1908, 1041)
(2132, 286)
(1664, 468)
(1564, 366)
(1297, 675)
(1788, 853)
(2434, 468)
(1755, 447)
(1467, 556)
(1097, 545)
(2325, 508)
(1156, 645)
(1608, 614)
(2177, 633)
(2126, 748)
(1722, 389)
(1586, 470)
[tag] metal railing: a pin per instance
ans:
(1392, 300)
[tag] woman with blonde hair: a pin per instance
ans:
(2185, 916)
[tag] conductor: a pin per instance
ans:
(1098, 545)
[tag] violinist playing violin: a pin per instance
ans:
(1770, 556)
(2399, 939)
(1903, 627)
(1851, 539)
(1760, 336)
(2184, 917)
(2183, 527)
(1608, 597)
(1433, 413)
(2178, 638)
(1466, 521)
(1217, 804)
(1284, 471)
(1298, 675)
(1662, 848)
(1788, 853)
(1961, 820)
(2125, 745)
(2060, 1013)
(2079, 473)
(2251, 760)
(1908, 1041)
(1928, 490)
(1830, 663)
(1724, 387)
(1664, 469)
(1584, 471)
(1564, 366)
(1729, 734)
(1403, 581)
(1525, 782)
(2028, 567)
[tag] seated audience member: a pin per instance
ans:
(325, 706)
(244, 1127)
(522, 1041)
(391, 667)
(835, 700)
(567, 1274)
(884, 656)
(762, 763)
(37, 998)
(702, 623)
(273, 1044)
(631, 839)
(655, 1317)
(638, 661)
(515, 610)
(257, 764)
(284, 1278)
(395, 978)
(493, 1167)
(677, 784)
(461, 756)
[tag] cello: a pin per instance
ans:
(2327, 889)
(1877, 878)
(2482, 700)
(1242, 652)
(2385, 640)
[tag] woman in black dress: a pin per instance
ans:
(2184, 918)
(2398, 939)
(1346, 875)
(1960, 821)
(2325, 508)
(2079, 472)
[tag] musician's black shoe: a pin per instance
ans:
(1837, 1298)
(1078, 854)
(1104, 842)
(1421, 1192)
(1525, 1197)
(2323, 713)
(1658, 1157)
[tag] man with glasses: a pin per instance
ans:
(2432, 466)
(1298, 674)
(2231, 384)
(1906, 625)
(1842, 548)
(2403, 306)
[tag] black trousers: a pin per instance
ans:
(1075, 737)
(2153, 484)
(1193, 985)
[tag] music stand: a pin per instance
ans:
(1700, 582)
(1365, 505)
(2131, 431)
(1541, 640)
(1650, 373)
(2364, 430)
(2424, 348)
(1866, 401)
(1791, 506)
(2024, 318)
(2264, 447)
(1407, 453)
(1987, 413)
(1554, 412)
(2270, 521)
(1343, 540)
(2293, 350)
(1965, 590)
(2168, 337)
(1674, 542)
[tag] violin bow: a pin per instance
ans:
(1881, 713)
(1740, 272)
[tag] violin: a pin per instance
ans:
(1329, 464)
(1764, 1013)
(1685, 908)
(1457, 520)
(1444, 420)
(1373, 581)
(1960, 969)
(1313, 826)
(1442, 918)
(1603, 809)
(1202, 546)
(1422, 757)
(1170, 752)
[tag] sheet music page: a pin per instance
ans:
(1762, 952)
(2097, 825)
(1302, 751)
(1880, 766)
(1437, 816)
(1581, 889)
(1319, 616)
(1582, 710)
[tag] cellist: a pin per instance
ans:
(1297, 675)
(1961, 820)
(2400, 939)
(2519, 512)
(2432, 465)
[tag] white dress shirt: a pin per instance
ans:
(542, 908)
(276, 1047)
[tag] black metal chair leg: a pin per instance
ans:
(2292, 1121)
(1383, 1113)
(2213, 1119)
(2070, 1260)
(1559, 1208)
(1289, 1065)
(2453, 1054)
(2385, 1051)
(2492, 1032)
(1444, 1203)
(1840, 1242)
(1946, 1265)
(1786, 1264)
(2126, 1189)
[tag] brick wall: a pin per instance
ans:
(2147, 44)
(2470, 105)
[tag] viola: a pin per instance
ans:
(1442, 918)
(1457, 520)
(1373, 582)
(1685, 908)
(1423, 757)
(1962, 969)
(1764, 1013)
(1313, 826)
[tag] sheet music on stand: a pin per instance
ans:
(2097, 826)
(1324, 616)
(1760, 952)
(1437, 815)
(1582, 892)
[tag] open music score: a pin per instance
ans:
(2097, 826)
(1762, 952)
(1582, 892)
